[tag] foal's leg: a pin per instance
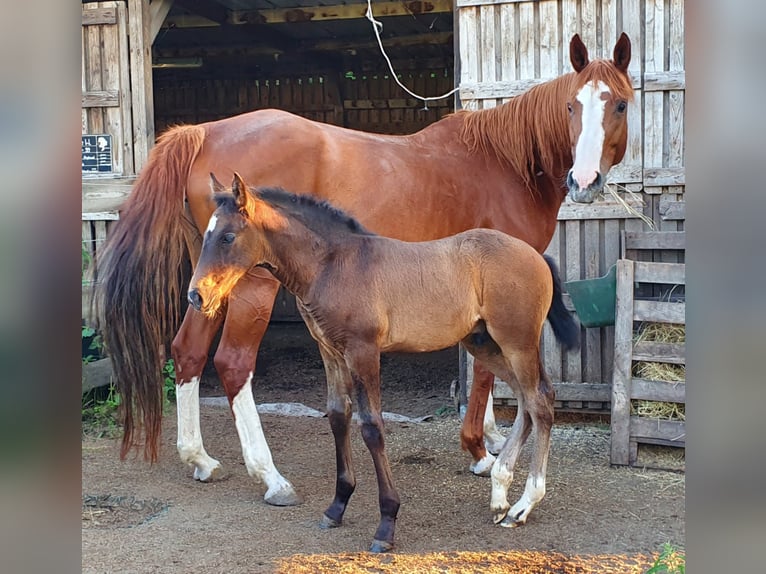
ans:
(189, 351)
(538, 396)
(247, 318)
(364, 364)
(339, 414)
(493, 439)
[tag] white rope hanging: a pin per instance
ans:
(377, 26)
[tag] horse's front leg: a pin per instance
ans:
(339, 406)
(247, 318)
(189, 351)
(364, 364)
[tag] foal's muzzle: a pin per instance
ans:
(195, 299)
(588, 194)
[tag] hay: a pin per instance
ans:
(655, 371)
(610, 187)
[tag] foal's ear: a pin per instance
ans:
(216, 185)
(245, 201)
(578, 53)
(621, 55)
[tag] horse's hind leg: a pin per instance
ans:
(189, 351)
(247, 318)
(339, 414)
(364, 364)
(538, 396)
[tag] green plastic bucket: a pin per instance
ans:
(594, 299)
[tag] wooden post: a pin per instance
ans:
(623, 354)
(139, 22)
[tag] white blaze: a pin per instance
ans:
(590, 144)
(212, 223)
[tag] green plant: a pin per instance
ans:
(99, 412)
(671, 560)
(169, 384)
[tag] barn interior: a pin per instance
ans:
(217, 58)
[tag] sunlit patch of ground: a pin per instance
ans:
(466, 563)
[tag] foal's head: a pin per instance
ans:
(232, 243)
(598, 116)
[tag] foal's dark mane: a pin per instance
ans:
(318, 215)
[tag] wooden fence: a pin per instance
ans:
(628, 430)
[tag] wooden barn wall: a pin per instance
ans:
(507, 46)
(359, 100)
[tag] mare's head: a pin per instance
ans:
(232, 244)
(598, 117)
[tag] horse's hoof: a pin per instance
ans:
(285, 496)
(483, 467)
(510, 522)
(380, 546)
(210, 474)
(328, 522)
(500, 514)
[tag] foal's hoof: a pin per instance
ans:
(285, 496)
(209, 474)
(380, 546)
(483, 467)
(328, 522)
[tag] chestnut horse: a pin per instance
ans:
(507, 168)
(362, 294)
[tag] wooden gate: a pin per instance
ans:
(507, 46)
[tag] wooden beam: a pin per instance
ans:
(92, 17)
(101, 99)
(158, 11)
(211, 14)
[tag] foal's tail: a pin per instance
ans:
(139, 276)
(563, 323)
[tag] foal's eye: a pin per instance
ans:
(227, 238)
(621, 107)
(569, 108)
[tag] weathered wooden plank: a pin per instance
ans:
(597, 210)
(93, 74)
(663, 80)
(96, 16)
(570, 25)
(654, 240)
(660, 391)
(469, 58)
(467, 3)
(572, 271)
(608, 26)
(126, 124)
(102, 195)
(589, 26)
(526, 40)
(101, 99)
(111, 81)
(670, 273)
(659, 176)
(625, 173)
(660, 352)
(672, 209)
(508, 56)
(142, 97)
(592, 340)
(659, 311)
(487, 51)
(565, 391)
(673, 431)
(550, 65)
(621, 375)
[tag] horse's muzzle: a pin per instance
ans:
(588, 194)
(195, 299)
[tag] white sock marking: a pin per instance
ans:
(189, 442)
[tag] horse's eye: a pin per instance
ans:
(621, 107)
(227, 238)
(569, 107)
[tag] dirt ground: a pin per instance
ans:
(594, 518)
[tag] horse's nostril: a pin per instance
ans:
(598, 182)
(195, 299)
(570, 180)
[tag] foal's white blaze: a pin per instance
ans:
(590, 144)
(212, 223)
(255, 449)
(189, 441)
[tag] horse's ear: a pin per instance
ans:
(621, 55)
(216, 185)
(578, 53)
(245, 201)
